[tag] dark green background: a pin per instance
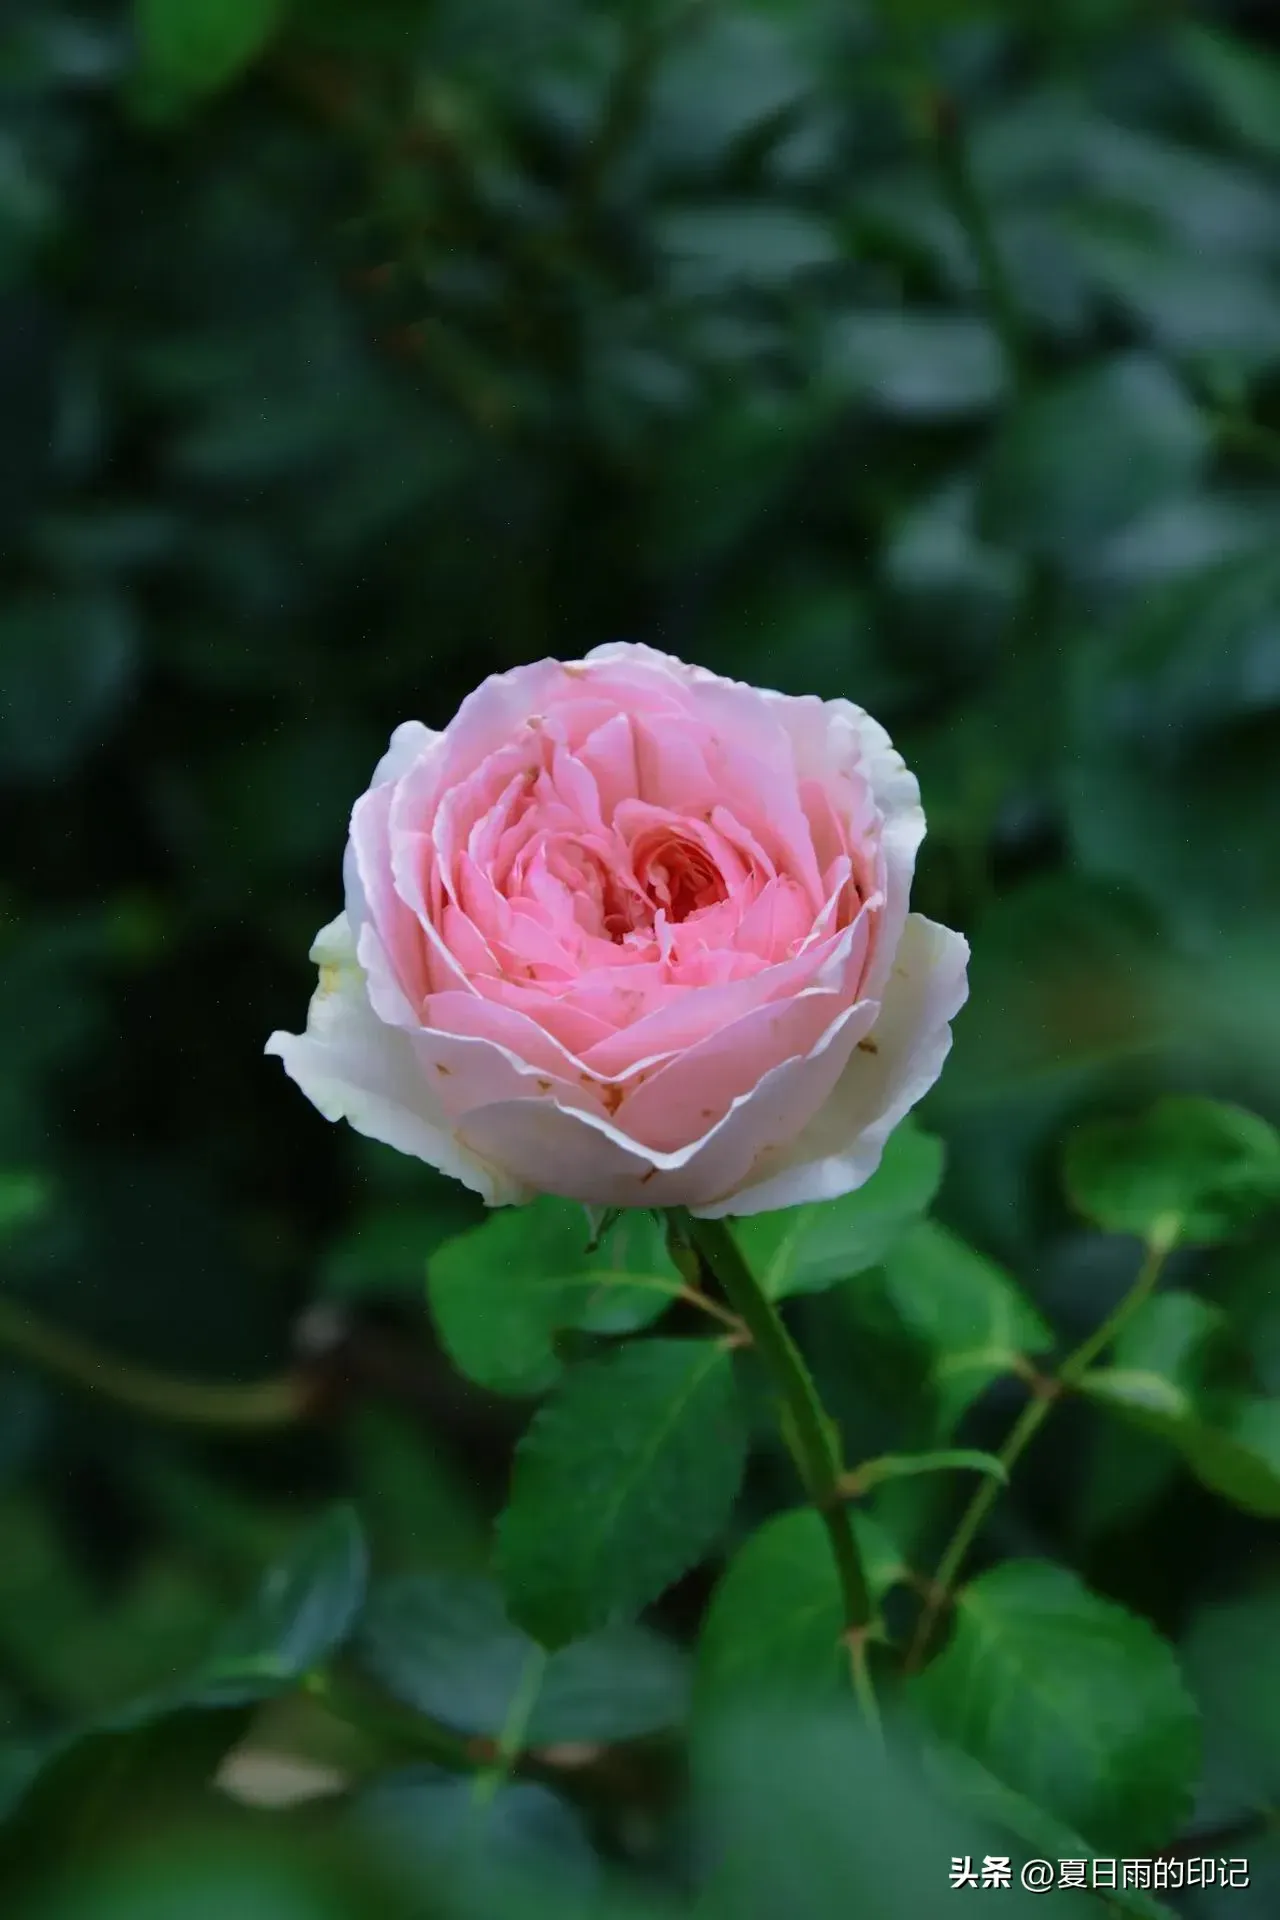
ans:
(419, 340)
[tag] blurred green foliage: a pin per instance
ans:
(353, 349)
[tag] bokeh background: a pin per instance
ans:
(350, 351)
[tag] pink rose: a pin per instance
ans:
(637, 935)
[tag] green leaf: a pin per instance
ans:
(303, 1611)
(776, 1617)
(969, 1787)
(917, 365)
(195, 47)
(1237, 1455)
(1171, 720)
(103, 1777)
(963, 1319)
(1182, 541)
(1241, 83)
(624, 1479)
(420, 1503)
(1071, 1700)
(89, 1790)
(1189, 1169)
(718, 85)
(904, 1466)
(1080, 459)
(486, 1858)
(1230, 319)
(709, 248)
(1122, 1473)
(807, 1249)
(444, 1645)
(805, 1813)
(933, 559)
(1171, 1374)
(502, 1292)
(1246, 1283)
(1229, 1654)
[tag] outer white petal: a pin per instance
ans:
(408, 744)
(841, 1146)
(833, 739)
(626, 651)
(897, 794)
(583, 1156)
(354, 1067)
(410, 741)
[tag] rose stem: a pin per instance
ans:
(807, 1430)
(1160, 1243)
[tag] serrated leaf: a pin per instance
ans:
(1071, 1700)
(503, 1291)
(303, 1611)
(624, 1480)
(1171, 1374)
(1078, 460)
(444, 1645)
(776, 1617)
(965, 1320)
(1196, 1169)
(809, 1248)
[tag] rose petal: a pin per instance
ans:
(840, 1148)
(585, 1157)
(354, 1067)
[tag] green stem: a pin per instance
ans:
(808, 1431)
(1160, 1244)
(235, 1407)
(1028, 1424)
(404, 1733)
(1024, 1431)
(512, 1738)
